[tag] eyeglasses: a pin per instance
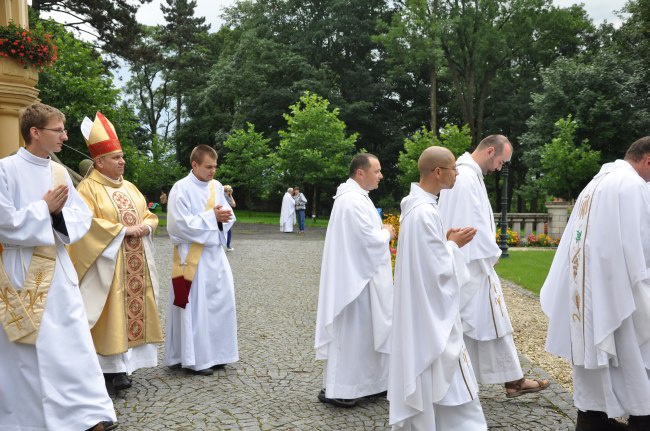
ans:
(455, 168)
(59, 131)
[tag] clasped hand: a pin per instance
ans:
(222, 215)
(461, 236)
(56, 198)
(137, 231)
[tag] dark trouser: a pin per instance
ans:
(301, 220)
(228, 238)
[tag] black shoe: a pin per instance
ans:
(638, 423)
(205, 372)
(104, 426)
(338, 402)
(377, 395)
(598, 421)
(121, 382)
(218, 367)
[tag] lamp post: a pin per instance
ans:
(503, 244)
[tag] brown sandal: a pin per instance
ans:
(519, 390)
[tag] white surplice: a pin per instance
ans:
(355, 297)
(204, 333)
(597, 294)
(430, 370)
(56, 384)
(287, 213)
(486, 323)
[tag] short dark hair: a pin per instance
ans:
(497, 141)
(37, 115)
(638, 150)
(200, 151)
(360, 161)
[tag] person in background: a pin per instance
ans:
(227, 190)
(163, 201)
(301, 206)
(287, 212)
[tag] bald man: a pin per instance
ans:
(486, 324)
(431, 379)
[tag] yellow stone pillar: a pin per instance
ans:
(16, 83)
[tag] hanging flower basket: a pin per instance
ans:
(30, 48)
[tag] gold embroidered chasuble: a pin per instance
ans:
(129, 317)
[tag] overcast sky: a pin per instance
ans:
(599, 10)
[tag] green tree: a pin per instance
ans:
(314, 148)
(566, 167)
(183, 40)
(148, 90)
(111, 22)
(456, 139)
(80, 85)
(413, 40)
(248, 165)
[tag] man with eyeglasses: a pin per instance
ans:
(487, 327)
(49, 371)
(431, 382)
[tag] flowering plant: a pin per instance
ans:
(29, 47)
(542, 240)
(393, 219)
(513, 237)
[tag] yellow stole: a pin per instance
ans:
(182, 275)
(21, 311)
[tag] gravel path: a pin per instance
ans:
(275, 383)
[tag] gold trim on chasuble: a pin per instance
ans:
(577, 274)
(134, 267)
(21, 311)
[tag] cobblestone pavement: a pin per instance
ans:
(275, 383)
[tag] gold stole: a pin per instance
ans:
(182, 275)
(135, 266)
(577, 273)
(21, 311)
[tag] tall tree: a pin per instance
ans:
(148, 89)
(413, 40)
(183, 40)
(111, 22)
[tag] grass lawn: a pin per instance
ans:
(527, 268)
(256, 217)
(259, 217)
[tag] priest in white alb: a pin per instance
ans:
(201, 320)
(597, 295)
(288, 212)
(356, 290)
(486, 323)
(50, 378)
(115, 261)
(431, 381)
